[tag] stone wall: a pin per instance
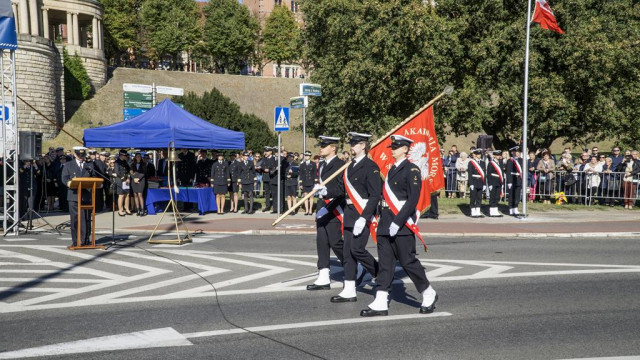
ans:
(38, 78)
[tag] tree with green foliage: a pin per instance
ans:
(77, 85)
(377, 61)
(230, 33)
(121, 27)
(280, 35)
(170, 27)
(221, 111)
(582, 83)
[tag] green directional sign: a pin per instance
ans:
(298, 102)
(137, 104)
(310, 90)
(128, 95)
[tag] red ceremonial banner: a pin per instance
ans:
(424, 152)
(543, 15)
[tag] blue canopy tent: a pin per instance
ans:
(157, 127)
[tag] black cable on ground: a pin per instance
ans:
(219, 305)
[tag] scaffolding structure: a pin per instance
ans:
(10, 144)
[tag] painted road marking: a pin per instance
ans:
(168, 337)
(19, 239)
(635, 357)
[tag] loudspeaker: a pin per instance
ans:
(485, 142)
(30, 145)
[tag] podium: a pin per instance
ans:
(86, 183)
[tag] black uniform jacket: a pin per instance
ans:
(220, 173)
(493, 177)
(264, 163)
(365, 178)
(247, 173)
(512, 174)
(273, 169)
(234, 171)
(292, 172)
(405, 182)
(475, 177)
(307, 173)
(72, 170)
(335, 188)
(122, 171)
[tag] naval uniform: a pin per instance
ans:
(275, 177)
(265, 163)
(291, 183)
(186, 170)
(405, 182)
(362, 179)
(329, 227)
(203, 171)
(220, 177)
(247, 179)
(514, 182)
(495, 181)
(72, 170)
(234, 176)
(307, 175)
(476, 183)
(101, 168)
(122, 169)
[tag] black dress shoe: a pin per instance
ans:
(371, 312)
(266, 209)
(429, 309)
(340, 299)
(314, 287)
(495, 215)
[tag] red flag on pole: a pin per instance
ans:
(545, 17)
(424, 152)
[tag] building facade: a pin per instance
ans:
(44, 28)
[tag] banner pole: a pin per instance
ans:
(447, 91)
(525, 169)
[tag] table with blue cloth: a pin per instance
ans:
(157, 199)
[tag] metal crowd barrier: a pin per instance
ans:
(575, 187)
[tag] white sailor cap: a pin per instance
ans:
(399, 141)
(356, 137)
(327, 140)
(80, 150)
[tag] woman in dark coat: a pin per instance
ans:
(139, 182)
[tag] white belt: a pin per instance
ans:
(496, 175)
(385, 205)
(476, 176)
(515, 173)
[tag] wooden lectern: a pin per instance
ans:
(86, 183)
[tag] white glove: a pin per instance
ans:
(484, 187)
(393, 229)
(471, 187)
(359, 226)
(322, 190)
(490, 187)
(509, 186)
(322, 212)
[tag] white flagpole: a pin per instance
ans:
(525, 155)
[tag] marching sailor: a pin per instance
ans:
(364, 188)
(397, 231)
(514, 180)
(495, 180)
(330, 212)
(476, 182)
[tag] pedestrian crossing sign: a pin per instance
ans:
(281, 119)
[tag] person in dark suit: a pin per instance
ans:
(100, 167)
(514, 180)
(163, 165)
(186, 168)
(263, 167)
(220, 180)
(247, 179)
(364, 189)
(203, 168)
(62, 187)
(476, 182)
(234, 188)
(307, 177)
(329, 212)
(123, 181)
(495, 181)
(138, 183)
(78, 168)
(275, 177)
(291, 182)
(397, 231)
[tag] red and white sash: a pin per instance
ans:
(359, 203)
(499, 171)
(338, 213)
(517, 166)
(478, 168)
(395, 205)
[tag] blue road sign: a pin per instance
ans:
(281, 119)
(131, 113)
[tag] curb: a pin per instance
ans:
(425, 234)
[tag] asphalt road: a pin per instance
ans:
(499, 299)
